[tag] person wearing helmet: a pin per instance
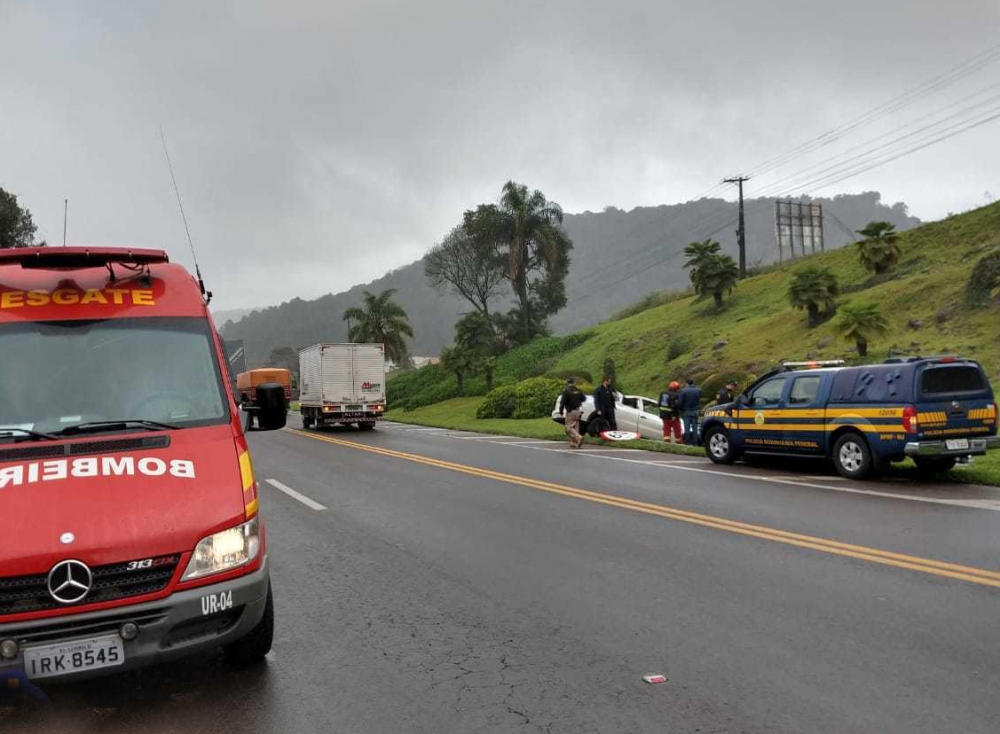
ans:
(670, 413)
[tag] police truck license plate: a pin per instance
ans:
(955, 444)
(72, 657)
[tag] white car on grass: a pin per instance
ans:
(632, 413)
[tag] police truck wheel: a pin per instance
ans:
(719, 446)
(928, 466)
(852, 457)
(257, 643)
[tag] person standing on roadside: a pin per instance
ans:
(727, 394)
(670, 413)
(569, 405)
(690, 401)
(604, 401)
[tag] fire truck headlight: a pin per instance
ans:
(225, 551)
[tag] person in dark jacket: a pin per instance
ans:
(690, 399)
(727, 394)
(569, 405)
(670, 413)
(604, 401)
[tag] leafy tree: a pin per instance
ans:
(380, 320)
(815, 289)
(468, 262)
(537, 252)
(861, 323)
(16, 226)
(879, 252)
(716, 275)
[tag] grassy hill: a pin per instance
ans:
(669, 336)
(923, 300)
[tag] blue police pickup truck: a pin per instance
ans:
(936, 410)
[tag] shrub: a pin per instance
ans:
(678, 345)
(535, 397)
(985, 279)
(531, 398)
(499, 403)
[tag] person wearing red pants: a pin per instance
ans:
(670, 414)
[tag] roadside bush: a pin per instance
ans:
(499, 403)
(534, 398)
(531, 398)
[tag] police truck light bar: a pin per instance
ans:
(814, 363)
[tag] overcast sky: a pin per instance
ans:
(317, 144)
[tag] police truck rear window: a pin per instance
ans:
(957, 379)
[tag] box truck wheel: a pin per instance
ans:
(367, 426)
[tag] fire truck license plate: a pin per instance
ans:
(72, 657)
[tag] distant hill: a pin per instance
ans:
(232, 314)
(617, 257)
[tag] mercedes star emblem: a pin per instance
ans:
(69, 581)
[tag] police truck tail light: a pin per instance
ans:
(225, 551)
(910, 423)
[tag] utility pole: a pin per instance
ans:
(741, 233)
(65, 215)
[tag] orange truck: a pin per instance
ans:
(248, 382)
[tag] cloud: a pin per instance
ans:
(318, 144)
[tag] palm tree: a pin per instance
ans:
(535, 239)
(475, 337)
(880, 250)
(698, 252)
(457, 361)
(860, 323)
(815, 289)
(380, 320)
(717, 274)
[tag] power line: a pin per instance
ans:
(963, 113)
(840, 171)
(917, 92)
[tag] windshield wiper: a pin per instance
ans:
(122, 425)
(26, 433)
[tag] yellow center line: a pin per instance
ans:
(874, 555)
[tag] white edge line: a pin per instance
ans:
(968, 504)
(311, 504)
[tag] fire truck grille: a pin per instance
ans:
(23, 594)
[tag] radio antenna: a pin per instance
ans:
(177, 192)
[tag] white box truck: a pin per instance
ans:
(342, 383)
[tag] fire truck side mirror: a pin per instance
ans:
(272, 410)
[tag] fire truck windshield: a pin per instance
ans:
(55, 375)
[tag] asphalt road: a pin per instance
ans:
(440, 581)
